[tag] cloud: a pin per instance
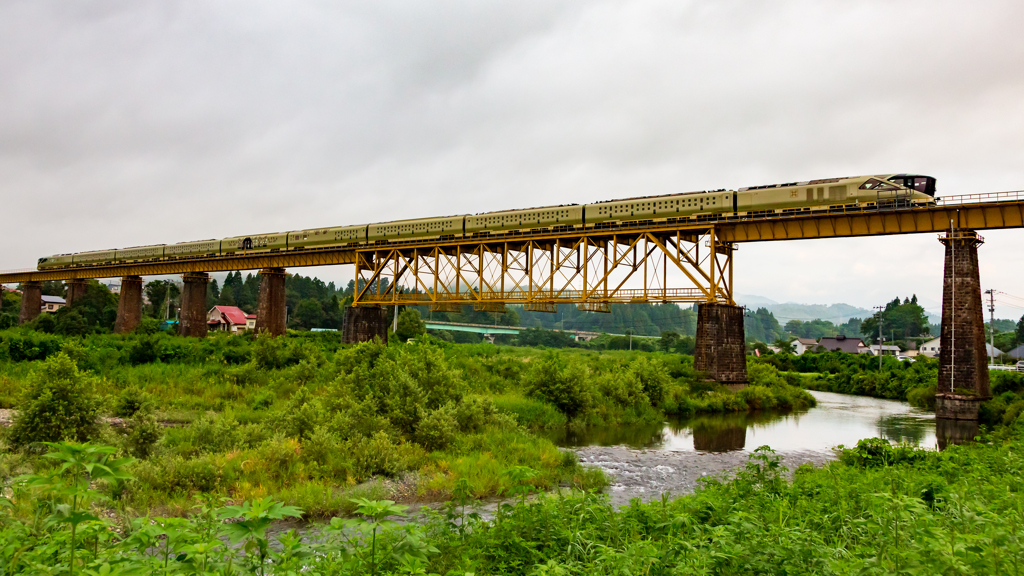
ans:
(129, 123)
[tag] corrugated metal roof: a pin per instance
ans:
(233, 314)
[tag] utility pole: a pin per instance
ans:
(880, 309)
(992, 323)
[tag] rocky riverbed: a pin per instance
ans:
(646, 474)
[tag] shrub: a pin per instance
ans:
(70, 323)
(438, 429)
(132, 400)
(143, 434)
(566, 386)
(59, 405)
(653, 377)
(758, 397)
(376, 455)
(473, 413)
(145, 350)
(262, 400)
(148, 325)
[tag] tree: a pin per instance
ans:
(97, 306)
(161, 295)
(308, 314)
(904, 319)
(212, 291)
(410, 325)
(60, 406)
(1020, 331)
(668, 341)
(69, 322)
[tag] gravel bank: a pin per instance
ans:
(646, 474)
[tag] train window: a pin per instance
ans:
(876, 184)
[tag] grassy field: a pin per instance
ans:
(315, 424)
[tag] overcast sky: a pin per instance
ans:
(141, 122)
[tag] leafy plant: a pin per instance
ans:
(248, 524)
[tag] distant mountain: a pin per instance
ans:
(751, 301)
(835, 313)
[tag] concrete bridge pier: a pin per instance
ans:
(363, 324)
(31, 301)
(129, 305)
(271, 311)
(721, 349)
(75, 290)
(963, 359)
(192, 321)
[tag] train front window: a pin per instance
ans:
(876, 184)
(922, 184)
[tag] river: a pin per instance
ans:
(645, 461)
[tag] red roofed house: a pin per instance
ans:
(230, 319)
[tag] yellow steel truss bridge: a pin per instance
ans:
(591, 267)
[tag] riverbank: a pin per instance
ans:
(311, 422)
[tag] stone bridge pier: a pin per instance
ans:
(75, 290)
(363, 324)
(271, 310)
(192, 319)
(31, 301)
(721, 350)
(963, 359)
(129, 305)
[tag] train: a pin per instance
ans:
(862, 192)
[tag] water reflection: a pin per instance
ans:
(951, 432)
(838, 419)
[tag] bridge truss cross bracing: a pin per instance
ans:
(591, 270)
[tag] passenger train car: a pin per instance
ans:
(893, 190)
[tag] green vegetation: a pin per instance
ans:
(315, 424)
(879, 509)
(860, 374)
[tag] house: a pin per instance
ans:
(1017, 353)
(53, 303)
(930, 348)
(801, 345)
(229, 319)
(842, 343)
(875, 349)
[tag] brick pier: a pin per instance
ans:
(364, 323)
(31, 301)
(721, 349)
(75, 290)
(129, 305)
(963, 360)
(192, 321)
(271, 311)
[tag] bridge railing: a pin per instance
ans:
(962, 199)
(563, 296)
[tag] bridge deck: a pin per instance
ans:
(974, 211)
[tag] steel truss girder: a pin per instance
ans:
(591, 270)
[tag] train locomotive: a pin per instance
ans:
(863, 192)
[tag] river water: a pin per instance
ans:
(645, 461)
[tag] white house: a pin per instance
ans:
(885, 350)
(801, 345)
(930, 348)
(52, 303)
